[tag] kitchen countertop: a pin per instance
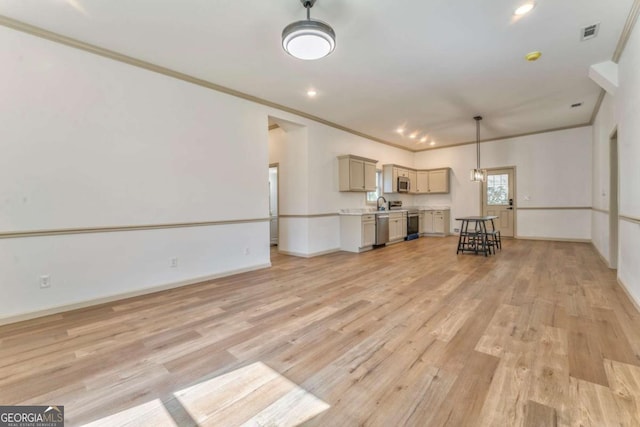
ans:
(365, 211)
(434, 208)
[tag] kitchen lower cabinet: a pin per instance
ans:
(357, 232)
(435, 222)
(397, 226)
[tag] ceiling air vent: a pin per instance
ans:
(589, 32)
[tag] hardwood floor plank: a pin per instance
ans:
(464, 401)
(410, 334)
(537, 415)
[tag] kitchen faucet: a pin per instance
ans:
(378, 203)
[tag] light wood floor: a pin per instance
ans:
(413, 334)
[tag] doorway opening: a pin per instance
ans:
(273, 204)
(613, 200)
(498, 198)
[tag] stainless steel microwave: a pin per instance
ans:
(403, 184)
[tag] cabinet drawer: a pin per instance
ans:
(368, 217)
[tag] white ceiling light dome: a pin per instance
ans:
(309, 39)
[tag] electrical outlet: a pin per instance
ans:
(456, 230)
(246, 251)
(45, 281)
(174, 263)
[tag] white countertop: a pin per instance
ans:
(434, 208)
(367, 211)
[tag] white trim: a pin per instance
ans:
(122, 296)
(624, 287)
(311, 255)
(554, 239)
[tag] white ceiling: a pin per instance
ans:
(426, 65)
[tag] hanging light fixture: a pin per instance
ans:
(308, 39)
(478, 175)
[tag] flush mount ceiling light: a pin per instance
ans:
(308, 39)
(478, 175)
(524, 9)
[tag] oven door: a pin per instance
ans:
(412, 224)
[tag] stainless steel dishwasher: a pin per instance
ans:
(382, 228)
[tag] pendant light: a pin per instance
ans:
(477, 174)
(308, 39)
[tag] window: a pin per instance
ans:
(372, 196)
(498, 189)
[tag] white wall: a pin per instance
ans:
(553, 169)
(307, 153)
(622, 111)
(628, 112)
(90, 142)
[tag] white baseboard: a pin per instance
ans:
(624, 287)
(554, 239)
(121, 296)
(311, 255)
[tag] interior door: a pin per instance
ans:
(498, 199)
(273, 204)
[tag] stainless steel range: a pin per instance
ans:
(412, 218)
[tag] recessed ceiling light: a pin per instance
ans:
(423, 139)
(432, 143)
(524, 9)
(413, 135)
(533, 56)
(400, 130)
(311, 93)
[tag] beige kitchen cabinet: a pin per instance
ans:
(435, 222)
(390, 174)
(433, 181)
(356, 173)
(357, 232)
(397, 226)
(413, 182)
(422, 182)
(368, 237)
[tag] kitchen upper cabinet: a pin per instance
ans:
(390, 174)
(433, 181)
(413, 182)
(422, 182)
(356, 173)
(439, 181)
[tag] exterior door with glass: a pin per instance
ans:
(498, 199)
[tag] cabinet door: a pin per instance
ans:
(393, 229)
(439, 181)
(413, 182)
(422, 182)
(403, 224)
(421, 223)
(438, 222)
(370, 183)
(356, 174)
(368, 233)
(428, 221)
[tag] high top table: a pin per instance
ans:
(475, 240)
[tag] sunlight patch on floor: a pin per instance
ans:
(254, 395)
(148, 414)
